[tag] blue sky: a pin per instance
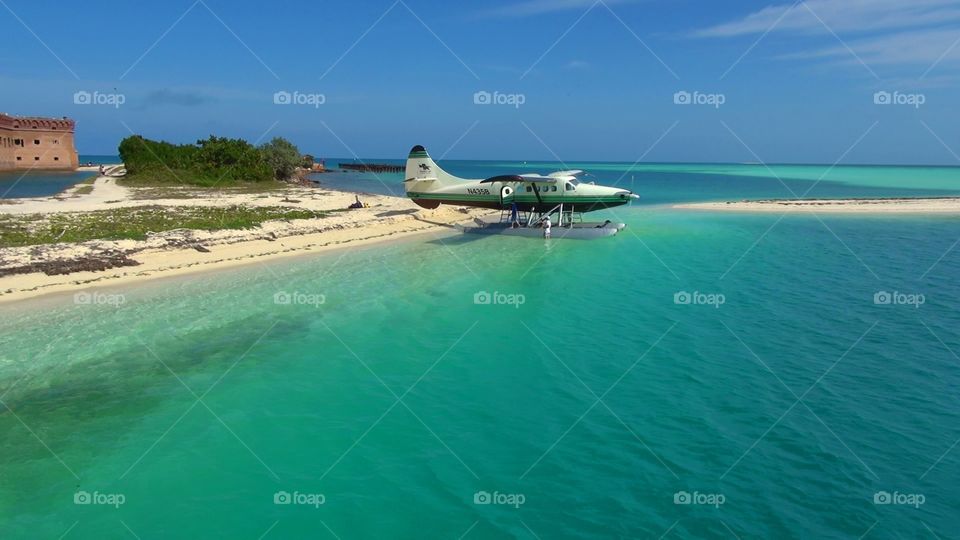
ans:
(776, 81)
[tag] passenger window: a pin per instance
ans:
(570, 186)
(553, 188)
(529, 189)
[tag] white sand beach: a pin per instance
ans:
(181, 251)
(939, 205)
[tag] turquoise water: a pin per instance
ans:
(792, 402)
(98, 159)
(676, 182)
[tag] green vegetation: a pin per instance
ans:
(212, 162)
(282, 156)
(134, 223)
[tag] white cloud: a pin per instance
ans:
(911, 47)
(917, 33)
(577, 64)
(854, 16)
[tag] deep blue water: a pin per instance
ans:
(23, 184)
(17, 185)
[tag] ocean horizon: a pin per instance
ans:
(884, 180)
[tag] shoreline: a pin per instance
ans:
(875, 206)
(189, 262)
(181, 252)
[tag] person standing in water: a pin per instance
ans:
(546, 227)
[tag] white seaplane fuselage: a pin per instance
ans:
(430, 186)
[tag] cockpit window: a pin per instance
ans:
(575, 182)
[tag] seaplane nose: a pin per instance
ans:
(628, 195)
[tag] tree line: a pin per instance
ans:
(216, 160)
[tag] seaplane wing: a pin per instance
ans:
(563, 174)
(527, 178)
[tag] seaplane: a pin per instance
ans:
(530, 204)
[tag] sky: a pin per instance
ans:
(773, 81)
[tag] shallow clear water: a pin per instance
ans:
(21, 184)
(793, 402)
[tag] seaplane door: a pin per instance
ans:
(506, 195)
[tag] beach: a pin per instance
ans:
(904, 205)
(25, 270)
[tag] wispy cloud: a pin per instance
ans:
(922, 33)
(528, 8)
(857, 16)
(577, 64)
(911, 47)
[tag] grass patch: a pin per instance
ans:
(167, 191)
(84, 190)
(135, 223)
(183, 184)
(162, 177)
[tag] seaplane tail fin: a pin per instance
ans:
(420, 168)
